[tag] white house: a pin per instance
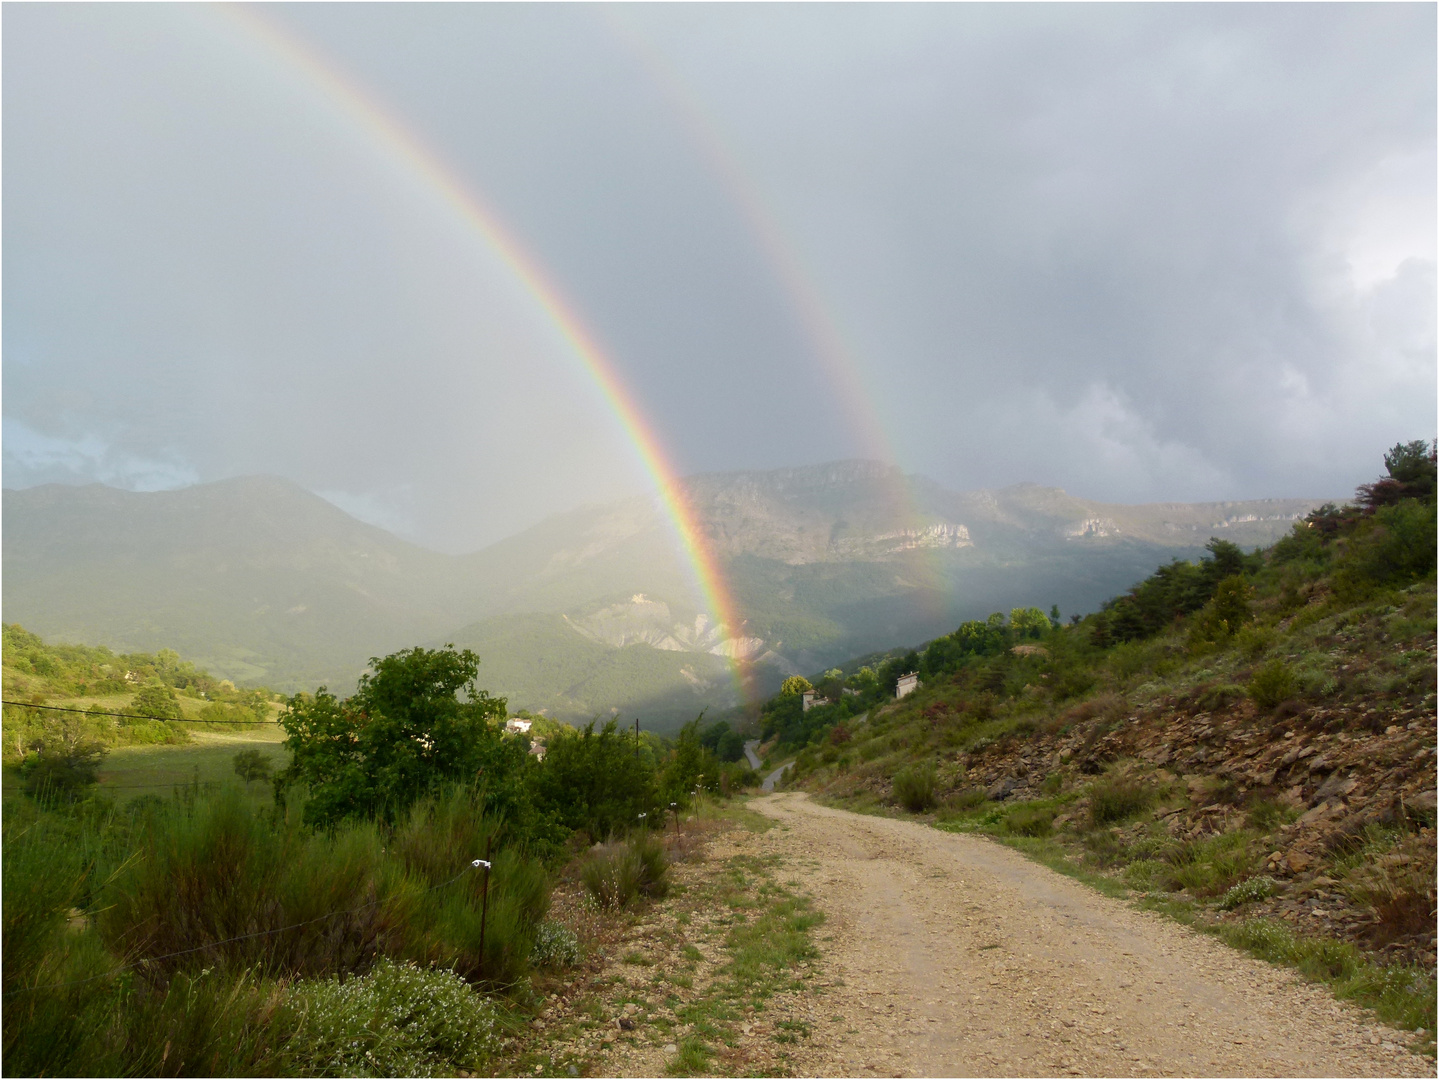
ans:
(907, 684)
(517, 726)
(810, 698)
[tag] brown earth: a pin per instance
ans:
(951, 955)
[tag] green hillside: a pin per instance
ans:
(1246, 741)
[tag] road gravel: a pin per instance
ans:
(951, 955)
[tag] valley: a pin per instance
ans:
(590, 613)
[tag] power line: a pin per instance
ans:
(133, 716)
(475, 865)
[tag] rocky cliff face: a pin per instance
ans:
(866, 510)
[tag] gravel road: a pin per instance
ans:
(954, 956)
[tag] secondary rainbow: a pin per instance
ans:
(842, 371)
(440, 179)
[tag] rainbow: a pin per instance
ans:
(839, 363)
(841, 368)
(380, 125)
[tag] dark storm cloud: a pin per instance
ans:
(1144, 252)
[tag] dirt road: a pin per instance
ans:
(951, 955)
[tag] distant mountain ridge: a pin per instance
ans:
(591, 611)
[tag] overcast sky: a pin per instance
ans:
(1171, 252)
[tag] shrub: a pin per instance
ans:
(226, 870)
(1211, 866)
(616, 875)
(1255, 641)
(1247, 891)
(555, 946)
(518, 900)
(913, 787)
(1116, 799)
(1105, 706)
(399, 1020)
(1272, 683)
(1214, 698)
(1029, 821)
(966, 798)
(1144, 874)
(58, 773)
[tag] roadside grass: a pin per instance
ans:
(1398, 994)
(768, 947)
(714, 969)
(736, 811)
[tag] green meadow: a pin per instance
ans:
(132, 771)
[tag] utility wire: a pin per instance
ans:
(133, 716)
(475, 865)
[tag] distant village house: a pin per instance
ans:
(907, 684)
(810, 698)
(516, 726)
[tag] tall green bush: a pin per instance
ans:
(913, 787)
(1273, 683)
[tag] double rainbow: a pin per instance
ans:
(384, 128)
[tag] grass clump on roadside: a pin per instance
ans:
(914, 787)
(1112, 800)
(1247, 891)
(1398, 994)
(616, 875)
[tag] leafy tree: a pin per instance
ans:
(731, 746)
(416, 721)
(1412, 469)
(864, 680)
(977, 638)
(1222, 617)
(57, 771)
(252, 765)
(158, 702)
(722, 741)
(595, 781)
(687, 764)
(794, 686)
(1028, 622)
(1175, 589)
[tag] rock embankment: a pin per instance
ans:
(1338, 770)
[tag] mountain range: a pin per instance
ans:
(590, 612)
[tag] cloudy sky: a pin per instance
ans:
(1172, 252)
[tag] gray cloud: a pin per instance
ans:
(1143, 252)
